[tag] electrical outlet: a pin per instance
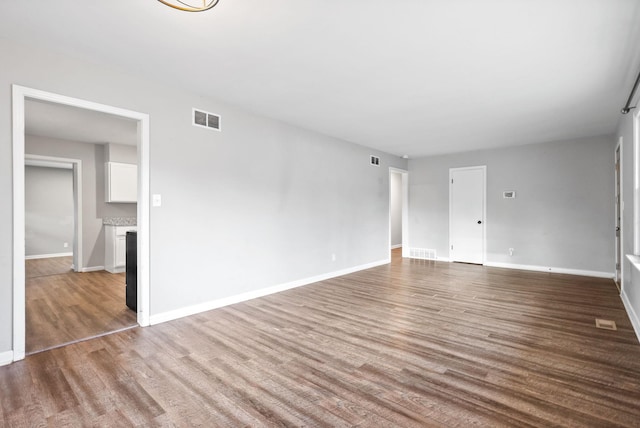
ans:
(65, 245)
(511, 251)
(333, 257)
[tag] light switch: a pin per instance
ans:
(157, 200)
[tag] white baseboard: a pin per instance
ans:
(393, 247)
(48, 256)
(6, 358)
(592, 273)
(91, 269)
(218, 303)
(633, 316)
(443, 259)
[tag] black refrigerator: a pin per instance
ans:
(132, 271)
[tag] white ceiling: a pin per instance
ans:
(412, 77)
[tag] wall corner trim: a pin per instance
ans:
(633, 316)
(6, 358)
(548, 269)
(226, 301)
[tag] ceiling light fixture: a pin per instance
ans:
(190, 5)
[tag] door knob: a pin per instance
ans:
(479, 221)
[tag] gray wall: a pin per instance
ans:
(259, 204)
(48, 210)
(562, 216)
(629, 287)
(94, 207)
(120, 153)
(396, 208)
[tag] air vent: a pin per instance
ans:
(422, 254)
(509, 194)
(205, 119)
(375, 160)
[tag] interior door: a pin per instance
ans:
(466, 214)
(618, 222)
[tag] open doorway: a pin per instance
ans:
(398, 212)
(21, 96)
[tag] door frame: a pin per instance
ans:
(404, 194)
(76, 167)
(19, 95)
(619, 212)
(483, 168)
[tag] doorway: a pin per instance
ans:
(75, 167)
(467, 213)
(618, 213)
(398, 212)
(19, 95)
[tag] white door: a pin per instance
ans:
(466, 214)
(618, 222)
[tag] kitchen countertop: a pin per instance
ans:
(120, 221)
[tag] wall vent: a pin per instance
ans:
(422, 254)
(205, 119)
(375, 160)
(509, 194)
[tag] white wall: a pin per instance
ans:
(396, 208)
(562, 216)
(259, 204)
(48, 210)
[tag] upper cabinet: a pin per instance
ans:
(121, 182)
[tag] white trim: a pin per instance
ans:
(47, 256)
(393, 247)
(218, 303)
(636, 182)
(92, 269)
(549, 269)
(483, 168)
(633, 316)
(621, 257)
(32, 160)
(6, 358)
(19, 94)
(443, 259)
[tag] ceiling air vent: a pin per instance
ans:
(375, 160)
(205, 119)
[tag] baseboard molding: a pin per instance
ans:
(393, 247)
(592, 273)
(218, 303)
(444, 259)
(633, 316)
(48, 256)
(6, 358)
(91, 269)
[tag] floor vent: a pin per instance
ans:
(606, 324)
(422, 254)
(205, 119)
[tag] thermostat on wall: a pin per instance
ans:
(509, 194)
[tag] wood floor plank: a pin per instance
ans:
(63, 306)
(412, 343)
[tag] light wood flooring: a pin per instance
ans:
(409, 344)
(64, 306)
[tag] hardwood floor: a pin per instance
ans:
(413, 343)
(64, 306)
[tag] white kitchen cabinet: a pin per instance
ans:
(121, 182)
(115, 247)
